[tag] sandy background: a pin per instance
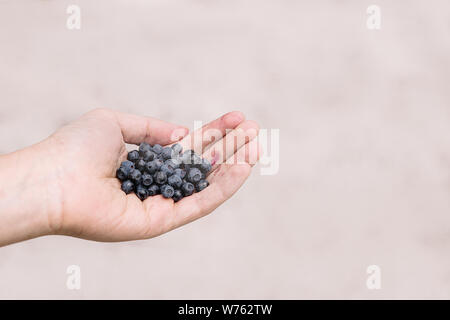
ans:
(364, 119)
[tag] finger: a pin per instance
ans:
(224, 182)
(200, 139)
(137, 129)
(226, 147)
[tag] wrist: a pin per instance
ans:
(29, 194)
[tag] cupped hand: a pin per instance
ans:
(88, 200)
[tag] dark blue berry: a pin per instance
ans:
(144, 146)
(122, 173)
(167, 191)
(125, 169)
(147, 179)
(175, 181)
(135, 176)
(194, 175)
(127, 186)
(202, 184)
(153, 166)
(180, 172)
(166, 169)
(159, 163)
(127, 165)
(160, 177)
(186, 157)
(177, 148)
(157, 148)
(205, 166)
(187, 188)
(140, 165)
(148, 155)
(153, 190)
(133, 155)
(166, 153)
(177, 195)
(172, 163)
(196, 160)
(141, 192)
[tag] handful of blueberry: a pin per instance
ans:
(168, 171)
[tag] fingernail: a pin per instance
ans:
(179, 134)
(234, 117)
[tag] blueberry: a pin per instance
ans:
(125, 169)
(194, 175)
(187, 188)
(172, 163)
(133, 155)
(147, 179)
(127, 165)
(186, 157)
(195, 159)
(157, 148)
(180, 172)
(127, 186)
(135, 176)
(141, 192)
(175, 181)
(153, 166)
(153, 190)
(159, 163)
(160, 177)
(205, 166)
(177, 195)
(166, 153)
(144, 146)
(148, 155)
(177, 148)
(167, 191)
(166, 169)
(202, 184)
(122, 173)
(140, 165)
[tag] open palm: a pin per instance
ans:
(89, 150)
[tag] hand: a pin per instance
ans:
(83, 198)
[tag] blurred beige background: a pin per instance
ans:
(364, 119)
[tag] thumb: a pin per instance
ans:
(136, 129)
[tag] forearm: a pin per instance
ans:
(26, 191)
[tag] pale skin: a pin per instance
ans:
(66, 185)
